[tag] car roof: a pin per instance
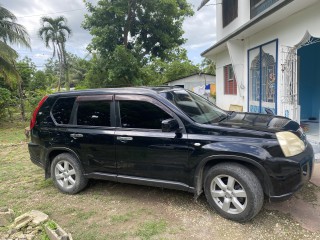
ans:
(122, 90)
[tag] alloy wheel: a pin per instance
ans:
(228, 194)
(65, 174)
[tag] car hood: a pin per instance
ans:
(260, 122)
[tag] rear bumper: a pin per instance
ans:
(288, 175)
(35, 154)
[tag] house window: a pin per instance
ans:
(229, 11)
(230, 83)
(258, 6)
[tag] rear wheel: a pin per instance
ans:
(233, 191)
(67, 174)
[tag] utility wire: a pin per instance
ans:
(44, 14)
(20, 67)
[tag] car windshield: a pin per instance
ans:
(197, 108)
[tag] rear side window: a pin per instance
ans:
(62, 109)
(138, 114)
(94, 113)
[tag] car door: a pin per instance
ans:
(142, 149)
(92, 133)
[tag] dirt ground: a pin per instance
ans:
(108, 210)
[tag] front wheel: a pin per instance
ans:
(233, 191)
(67, 174)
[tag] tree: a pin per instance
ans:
(176, 66)
(11, 33)
(54, 31)
(26, 69)
(97, 75)
(52, 70)
(208, 66)
(179, 66)
(39, 81)
(5, 101)
(78, 68)
(138, 29)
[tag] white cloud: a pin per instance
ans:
(42, 56)
(199, 29)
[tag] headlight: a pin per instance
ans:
(290, 144)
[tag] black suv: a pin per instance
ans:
(171, 138)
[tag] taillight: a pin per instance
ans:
(35, 112)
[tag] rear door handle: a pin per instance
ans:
(124, 139)
(76, 135)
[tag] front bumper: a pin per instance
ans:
(288, 175)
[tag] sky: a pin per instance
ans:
(199, 29)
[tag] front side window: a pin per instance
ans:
(229, 11)
(197, 108)
(139, 114)
(62, 109)
(94, 113)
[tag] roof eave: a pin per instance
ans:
(244, 27)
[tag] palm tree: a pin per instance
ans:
(55, 32)
(11, 33)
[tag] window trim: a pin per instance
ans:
(143, 98)
(230, 70)
(228, 80)
(93, 98)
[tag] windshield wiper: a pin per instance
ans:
(222, 117)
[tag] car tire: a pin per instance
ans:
(67, 174)
(233, 191)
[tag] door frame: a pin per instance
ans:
(260, 75)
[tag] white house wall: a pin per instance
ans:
(223, 100)
(243, 17)
(194, 81)
(289, 32)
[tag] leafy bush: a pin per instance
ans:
(33, 98)
(5, 101)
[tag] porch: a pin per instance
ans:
(312, 131)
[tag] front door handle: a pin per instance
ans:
(76, 135)
(124, 139)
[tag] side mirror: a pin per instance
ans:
(169, 125)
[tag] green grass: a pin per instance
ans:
(12, 133)
(108, 210)
(52, 225)
(151, 228)
(45, 183)
(121, 218)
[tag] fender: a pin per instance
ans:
(47, 159)
(198, 179)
